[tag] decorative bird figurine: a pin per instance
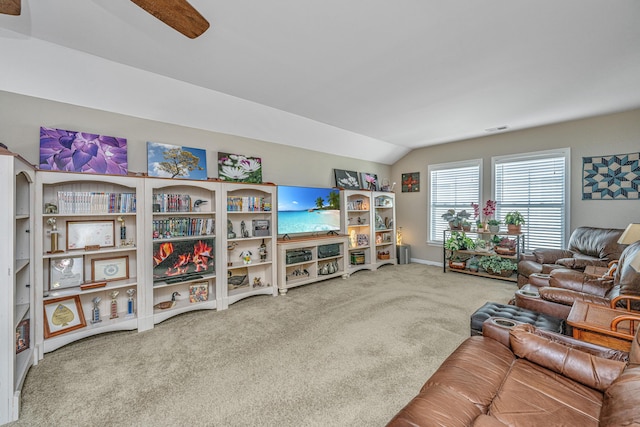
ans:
(167, 304)
(198, 203)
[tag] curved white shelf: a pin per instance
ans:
(182, 306)
(122, 323)
(236, 295)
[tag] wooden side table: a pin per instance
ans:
(593, 323)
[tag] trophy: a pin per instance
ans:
(114, 304)
(95, 312)
(131, 303)
(54, 236)
(123, 230)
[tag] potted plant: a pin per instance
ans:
(505, 246)
(494, 225)
(497, 266)
(459, 242)
(466, 225)
(455, 218)
(514, 221)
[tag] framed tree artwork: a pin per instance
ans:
(174, 161)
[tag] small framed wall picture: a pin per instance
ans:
(22, 336)
(62, 315)
(81, 234)
(347, 180)
(411, 182)
(369, 181)
(107, 269)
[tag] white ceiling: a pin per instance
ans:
(398, 74)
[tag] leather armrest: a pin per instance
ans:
(580, 282)
(580, 263)
(568, 296)
(592, 371)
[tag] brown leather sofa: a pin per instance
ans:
(528, 377)
(567, 286)
(587, 246)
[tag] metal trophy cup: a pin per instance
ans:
(114, 305)
(54, 236)
(131, 311)
(95, 312)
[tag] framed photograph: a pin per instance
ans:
(62, 315)
(411, 182)
(239, 168)
(66, 272)
(174, 161)
(347, 180)
(22, 336)
(369, 181)
(198, 292)
(90, 233)
(107, 269)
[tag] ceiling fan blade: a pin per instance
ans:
(178, 14)
(10, 7)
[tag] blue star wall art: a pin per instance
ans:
(614, 177)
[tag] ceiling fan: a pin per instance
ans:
(178, 14)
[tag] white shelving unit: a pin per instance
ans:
(69, 257)
(249, 250)
(181, 236)
(304, 260)
(384, 224)
(356, 223)
(17, 302)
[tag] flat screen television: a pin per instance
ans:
(180, 260)
(308, 210)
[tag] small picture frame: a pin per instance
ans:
(66, 272)
(90, 233)
(261, 227)
(62, 315)
(22, 336)
(347, 180)
(369, 181)
(411, 182)
(198, 292)
(108, 269)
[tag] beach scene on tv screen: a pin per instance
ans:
(308, 209)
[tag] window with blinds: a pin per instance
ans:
(452, 186)
(536, 185)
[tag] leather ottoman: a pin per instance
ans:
(522, 315)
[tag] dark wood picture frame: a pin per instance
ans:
(110, 269)
(73, 305)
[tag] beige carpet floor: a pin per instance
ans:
(335, 353)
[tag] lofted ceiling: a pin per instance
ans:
(397, 74)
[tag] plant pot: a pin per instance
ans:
(500, 250)
(514, 229)
(494, 228)
(455, 227)
(457, 265)
(503, 273)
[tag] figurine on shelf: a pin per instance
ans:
(246, 256)
(167, 304)
(230, 233)
(243, 229)
(262, 251)
(257, 282)
(197, 204)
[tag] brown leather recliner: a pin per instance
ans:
(587, 246)
(567, 286)
(528, 377)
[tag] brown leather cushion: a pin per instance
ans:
(622, 400)
(532, 395)
(596, 242)
(626, 275)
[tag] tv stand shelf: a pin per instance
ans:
(317, 258)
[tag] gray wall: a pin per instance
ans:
(611, 134)
(21, 117)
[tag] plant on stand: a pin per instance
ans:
(514, 221)
(458, 242)
(455, 219)
(493, 225)
(497, 266)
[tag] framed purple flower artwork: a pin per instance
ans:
(73, 151)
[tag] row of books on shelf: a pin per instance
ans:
(88, 202)
(248, 204)
(181, 227)
(171, 203)
(357, 205)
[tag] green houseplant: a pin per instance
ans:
(497, 266)
(459, 242)
(455, 219)
(494, 225)
(514, 221)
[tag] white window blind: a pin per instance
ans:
(536, 186)
(452, 186)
